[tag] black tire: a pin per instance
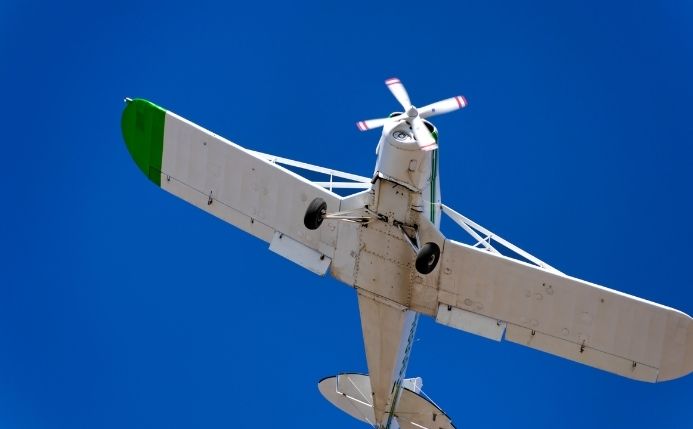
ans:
(427, 258)
(315, 213)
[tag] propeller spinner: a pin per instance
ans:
(414, 116)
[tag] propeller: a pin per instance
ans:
(414, 116)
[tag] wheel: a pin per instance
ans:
(427, 258)
(315, 213)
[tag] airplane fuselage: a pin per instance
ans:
(401, 161)
(407, 192)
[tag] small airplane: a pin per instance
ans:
(384, 240)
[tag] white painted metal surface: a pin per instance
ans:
(388, 335)
(470, 322)
(399, 157)
(351, 393)
(248, 192)
(299, 253)
(569, 317)
(415, 411)
(414, 384)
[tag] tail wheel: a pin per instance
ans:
(315, 214)
(427, 258)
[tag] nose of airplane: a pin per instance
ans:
(142, 125)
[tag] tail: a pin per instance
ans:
(352, 394)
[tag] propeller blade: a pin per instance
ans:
(371, 123)
(443, 106)
(424, 138)
(397, 89)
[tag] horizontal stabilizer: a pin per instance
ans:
(416, 411)
(352, 394)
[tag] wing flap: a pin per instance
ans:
(300, 254)
(470, 322)
(566, 314)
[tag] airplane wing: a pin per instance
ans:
(247, 189)
(486, 293)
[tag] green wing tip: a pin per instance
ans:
(142, 125)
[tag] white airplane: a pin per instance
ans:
(384, 241)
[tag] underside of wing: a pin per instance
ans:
(241, 187)
(486, 293)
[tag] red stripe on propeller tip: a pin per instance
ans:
(461, 101)
(361, 126)
(392, 81)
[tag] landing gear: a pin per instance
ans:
(427, 258)
(315, 214)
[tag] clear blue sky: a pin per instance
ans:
(121, 306)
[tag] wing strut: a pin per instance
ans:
(485, 238)
(354, 181)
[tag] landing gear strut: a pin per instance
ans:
(317, 212)
(427, 258)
